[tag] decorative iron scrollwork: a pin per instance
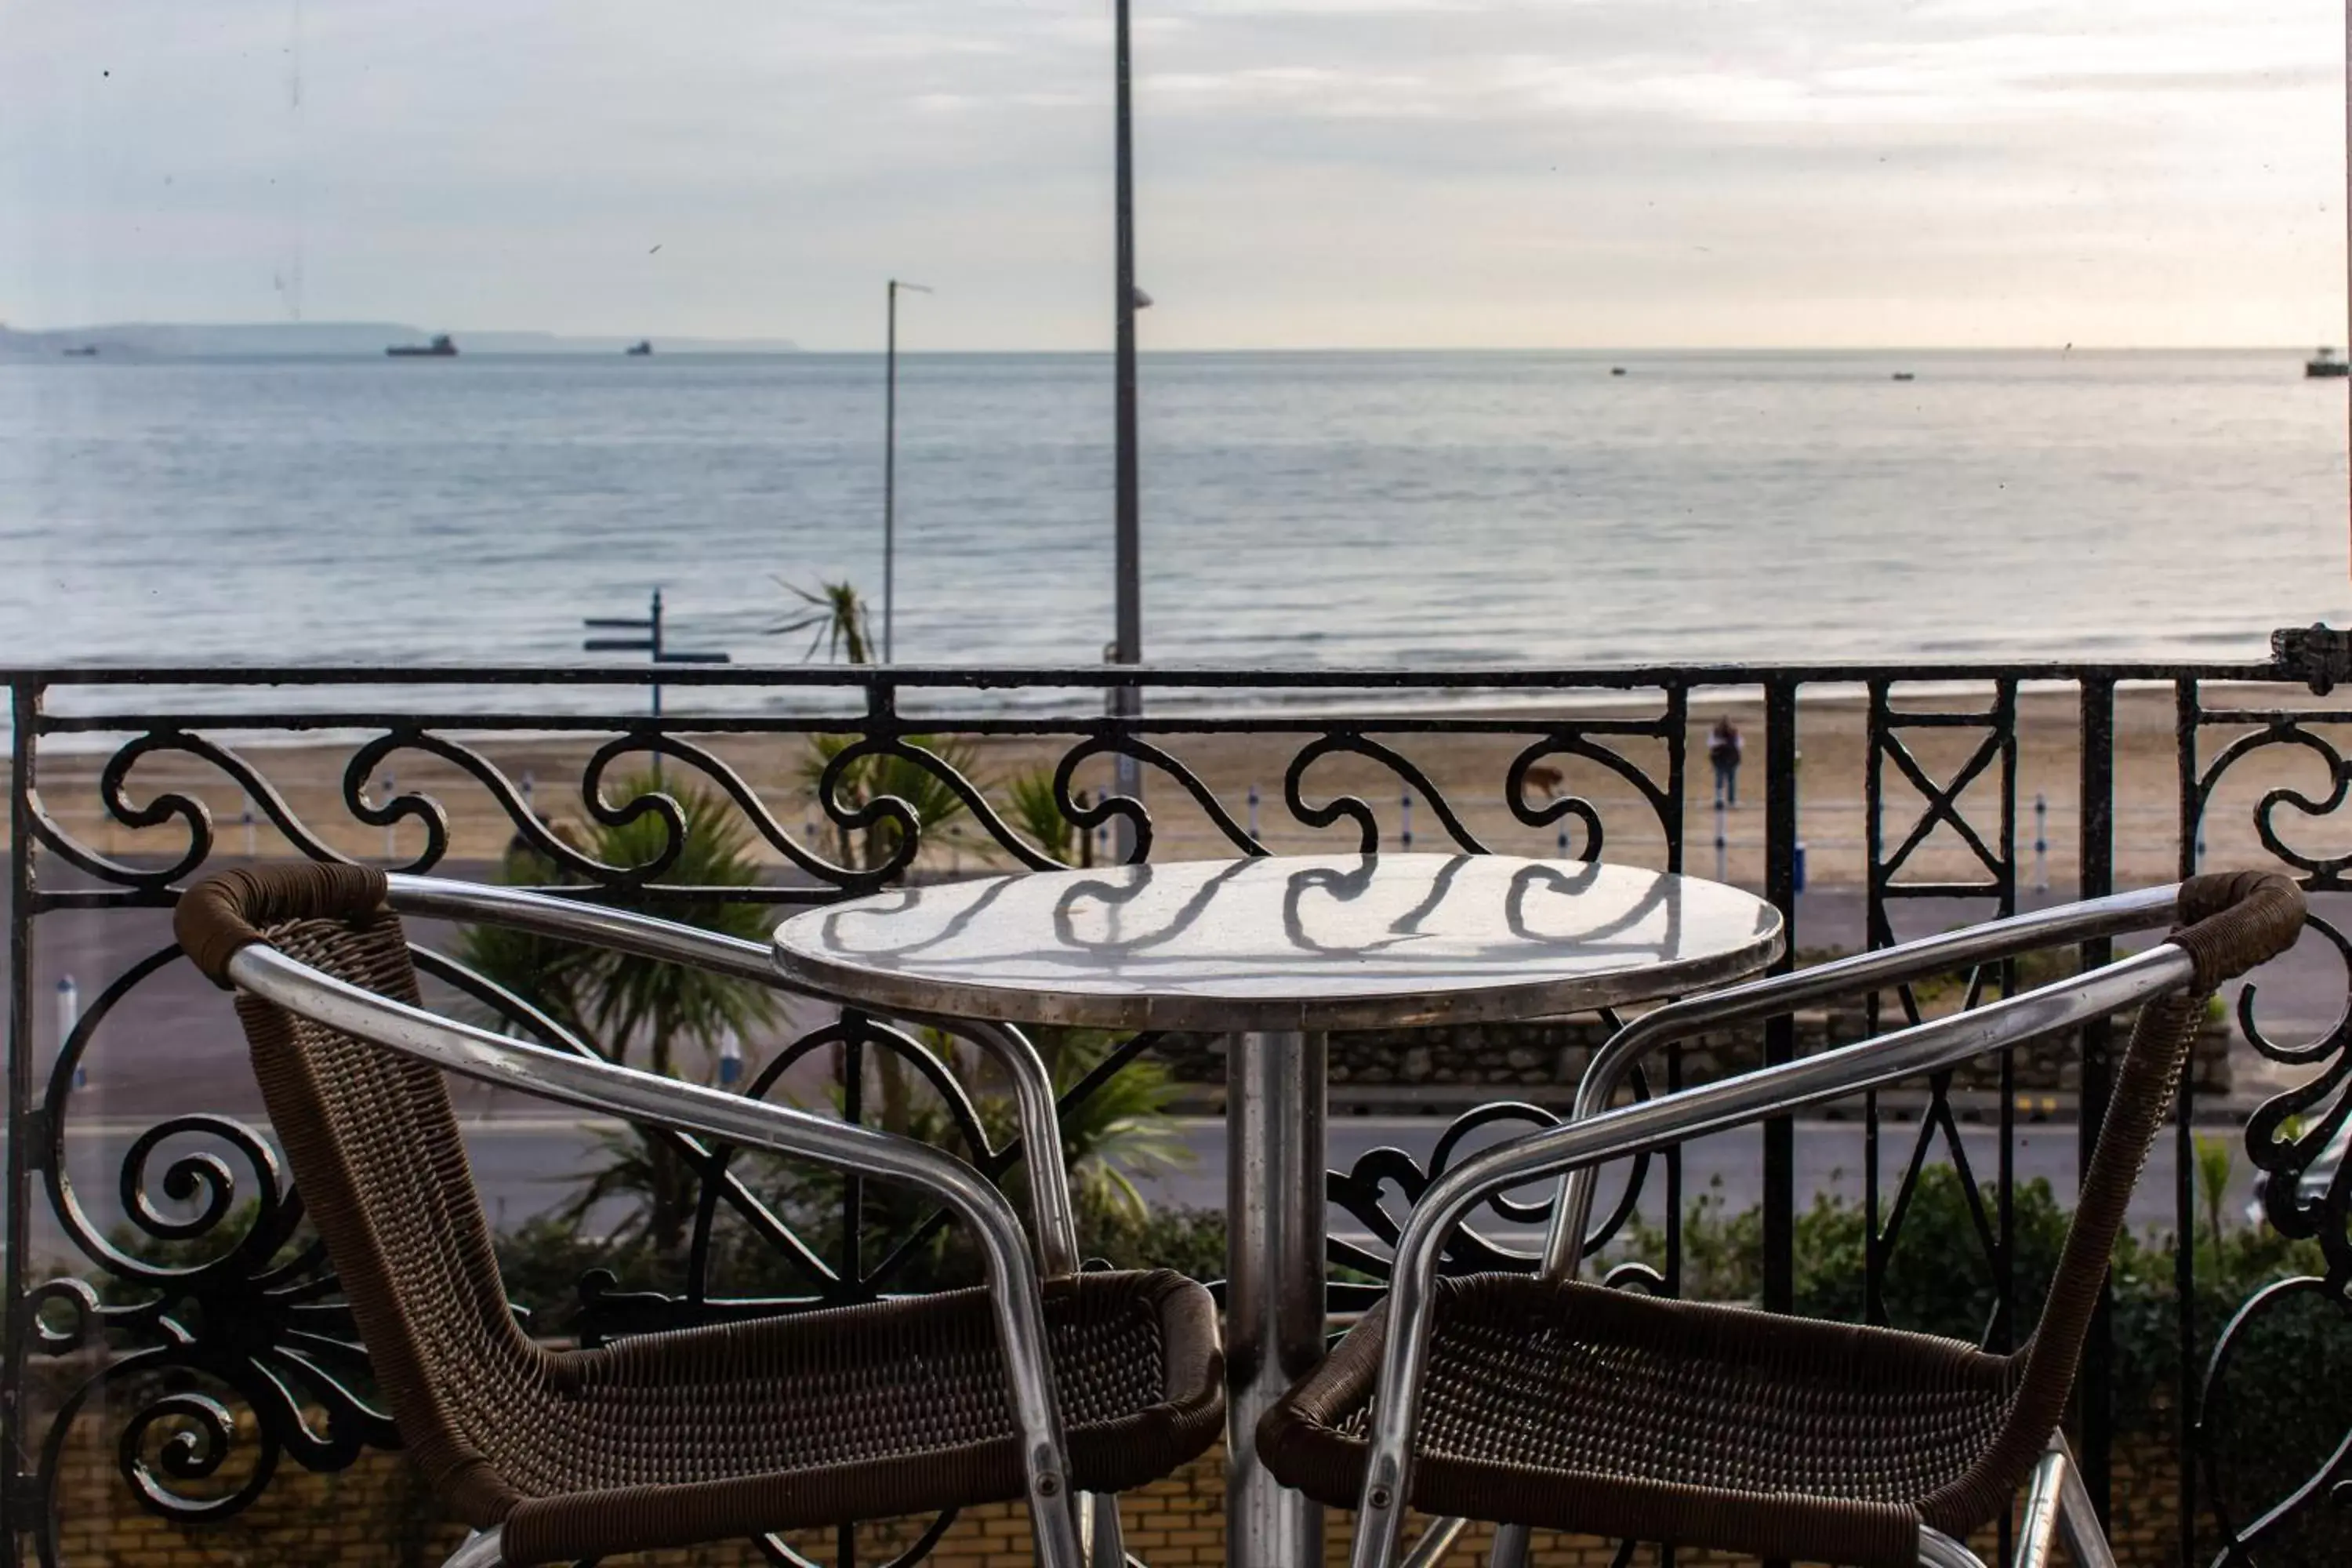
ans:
(206, 1329)
(253, 1317)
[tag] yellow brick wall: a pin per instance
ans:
(376, 1515)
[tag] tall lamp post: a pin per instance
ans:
(1128, 645)
(890, 465)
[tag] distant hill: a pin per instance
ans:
(172, 340)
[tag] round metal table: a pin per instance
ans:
(1278, 952)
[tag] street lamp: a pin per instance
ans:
(1125, 298)
(1128, 645)
(890, 463)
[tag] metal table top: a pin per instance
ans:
(1283, 943)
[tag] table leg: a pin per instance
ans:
(1273, 1290)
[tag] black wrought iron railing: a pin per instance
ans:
(178, 1319)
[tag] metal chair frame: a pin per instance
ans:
(1070, 1532)
(1074, 1532)
(2057, 1499)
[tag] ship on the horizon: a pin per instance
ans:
(639, 349)
(2325, 362)
(439, 347)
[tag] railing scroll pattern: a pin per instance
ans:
(203, 1327)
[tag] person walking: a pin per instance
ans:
(1723, 750)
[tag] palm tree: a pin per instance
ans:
(1033, 809)
(1119, 1132)
(837, 613)
(1121, 1127)
(642, 1011)
(888, 775)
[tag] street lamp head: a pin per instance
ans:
(1142, 300)
(897, 286)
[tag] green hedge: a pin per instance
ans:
(1939, 1278)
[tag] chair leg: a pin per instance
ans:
(1510, 1547)
(1098, 1517)
(1937, 1549)
(2039, 1524)
(479, 1550)
(1436, 1543)
(2078, 1521)
(1060, 1542)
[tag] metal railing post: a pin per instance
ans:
(25, 711)
(2095, 878)
(1781, 1033)
(2188, 708)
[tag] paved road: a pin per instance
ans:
(172, 1048)
(173, 1043)
(526, 1166)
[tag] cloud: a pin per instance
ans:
(1312, 171)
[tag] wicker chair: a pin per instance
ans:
(865, 1412)
(1535, 1401)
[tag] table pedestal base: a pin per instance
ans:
(1274, 1288)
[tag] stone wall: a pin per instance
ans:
(377, 1515)
(1544, 1061)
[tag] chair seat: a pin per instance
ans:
(867, 1412)
(1570, 1406)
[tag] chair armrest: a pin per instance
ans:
(578, 919)
(1052, 1208)
(1713, 1108)
(608, 1089)
(646, 936)
(1863, 972)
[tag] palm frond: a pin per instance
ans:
(836, 613)
(637, 1010)
(937, 806)
(1031, 806)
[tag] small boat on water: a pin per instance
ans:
(439, 347)
(639, 349)
(1905, 375)
(87, 351)
(2325, 362)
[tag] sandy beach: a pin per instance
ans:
(1468, 769)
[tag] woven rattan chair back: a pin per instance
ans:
(2228, 924)
(1551, 1403)
(876, 1410)
(374, 1140)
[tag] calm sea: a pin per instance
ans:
(1299, 508)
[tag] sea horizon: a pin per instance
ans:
(1302, 508)
(594, 341)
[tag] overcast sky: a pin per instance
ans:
(1313, 172)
